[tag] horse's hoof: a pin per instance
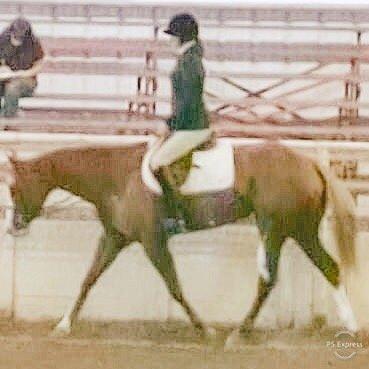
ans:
(209, 334)
(60, 331)
(235, 341)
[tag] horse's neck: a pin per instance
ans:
(94, 175)
(42, 167)
(74, 178)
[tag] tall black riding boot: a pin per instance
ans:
(174, 222)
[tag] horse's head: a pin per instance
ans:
(28, 191)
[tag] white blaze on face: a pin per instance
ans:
(8, 221)
(6, 226)
(344, 309)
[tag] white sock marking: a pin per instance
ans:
(344, 309)
(65, 324)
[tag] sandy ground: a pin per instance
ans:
(141, 345)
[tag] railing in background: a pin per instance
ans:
(141, 15)
(92, 56)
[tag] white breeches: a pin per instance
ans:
(179, 144)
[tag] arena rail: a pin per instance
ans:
(90, 56)
(14, 139)
(127, 14)
(109, 57)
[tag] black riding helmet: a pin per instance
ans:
(184, 26)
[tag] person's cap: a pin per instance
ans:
(183, 25)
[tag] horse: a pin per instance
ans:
(287, 192)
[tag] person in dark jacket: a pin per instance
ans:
(189, 123)
(187, 79)
(21, 57)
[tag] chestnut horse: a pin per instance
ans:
(287, 192)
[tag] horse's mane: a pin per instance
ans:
(136, 150)
(84, 159)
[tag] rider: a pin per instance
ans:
(189, 123)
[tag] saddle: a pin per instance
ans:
(212, 166)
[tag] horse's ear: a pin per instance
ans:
(12, 156)
(7, 169)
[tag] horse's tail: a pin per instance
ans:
(343, 205)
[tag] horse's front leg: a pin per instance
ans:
(157, 251)
(109, 247)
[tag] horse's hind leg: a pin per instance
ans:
(161, 258)
(268, 258)
(323, 261)
(108, 249)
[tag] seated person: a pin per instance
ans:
(21, 57)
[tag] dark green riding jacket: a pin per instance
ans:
(189, 111)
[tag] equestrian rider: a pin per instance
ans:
(189, 123)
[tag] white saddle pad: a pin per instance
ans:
(213, 170)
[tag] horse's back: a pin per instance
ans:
(278, 177)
